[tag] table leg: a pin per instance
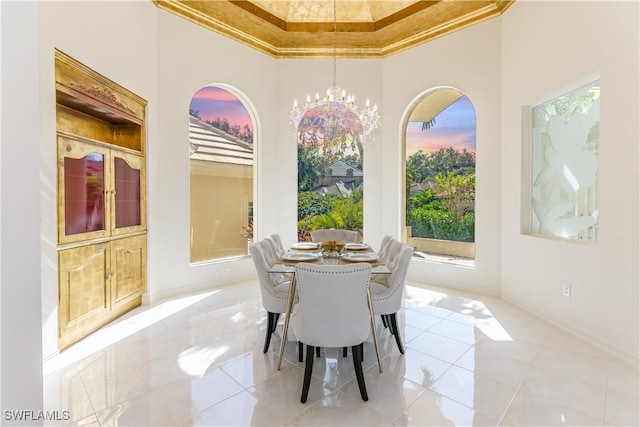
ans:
(285, 328)
(373, 330)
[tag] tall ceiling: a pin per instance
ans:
(363, 28)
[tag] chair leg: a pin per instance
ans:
(271, 321)
(344, 351)
(317, 351)
(300, 349)
(387, 319)
(308, 368)
(357, 365)
(384, 320)
(275, 322)
(394, 327)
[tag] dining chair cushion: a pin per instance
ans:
(378, 288)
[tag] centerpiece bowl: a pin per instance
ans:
(332, 248)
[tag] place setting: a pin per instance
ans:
(370, 257)
(293, 257)
(305, 246)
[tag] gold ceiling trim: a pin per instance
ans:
(409, 26)
(328, 26)
(451, 26)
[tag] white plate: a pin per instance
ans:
(356, 247)
(356, 257)
(305, 246)
(301, 256)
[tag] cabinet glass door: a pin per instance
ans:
(129, 202)
(83, 181)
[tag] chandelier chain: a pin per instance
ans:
(335, 119)
(335, 43)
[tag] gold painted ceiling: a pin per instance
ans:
(363, 28)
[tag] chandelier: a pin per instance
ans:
(334, 120)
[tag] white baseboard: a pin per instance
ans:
(153, 298)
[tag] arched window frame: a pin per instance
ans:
(253, 207)
(442, 250)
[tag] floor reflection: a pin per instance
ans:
(197, 360)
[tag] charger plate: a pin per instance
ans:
(360, 257)
(305, 246)
(300, 256)
(356, 247)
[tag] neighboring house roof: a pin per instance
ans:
(417, 187)
(211, 144)
(337, 188)
(340, 168)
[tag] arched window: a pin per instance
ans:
(440, 155)
(221, 168)
(330, 178)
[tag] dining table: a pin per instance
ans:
(313, 253)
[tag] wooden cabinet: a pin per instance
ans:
(97, 283)
(101, 190)
(102, 213)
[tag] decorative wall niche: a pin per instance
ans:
(561, 143)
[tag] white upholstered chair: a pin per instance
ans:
(277, 244)
(387, 297)
(347, 236)
(385, 244)
(332, 312)
(388, 256)
(274, 293)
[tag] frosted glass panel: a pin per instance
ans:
(564, 168)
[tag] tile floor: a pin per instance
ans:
(470, 360)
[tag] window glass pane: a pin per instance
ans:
(127, 196)
(84, 194)
(564, 165)
(221, 165)
(330, 173)
(440, 174)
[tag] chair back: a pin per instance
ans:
(391, 256)
(333, 310)
(272, 301)
(347, 236)
(390, 301)
(276, 252)
(278, 240)
(385, 246)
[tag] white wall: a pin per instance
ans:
(469, 61)
(20, 337)
(189, 58)
(545, 47)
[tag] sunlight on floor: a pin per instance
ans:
(128, 325)
(196, 360)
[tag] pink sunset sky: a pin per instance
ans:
(455, 127)
(213, 102)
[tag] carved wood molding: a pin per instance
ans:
(104, 94)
